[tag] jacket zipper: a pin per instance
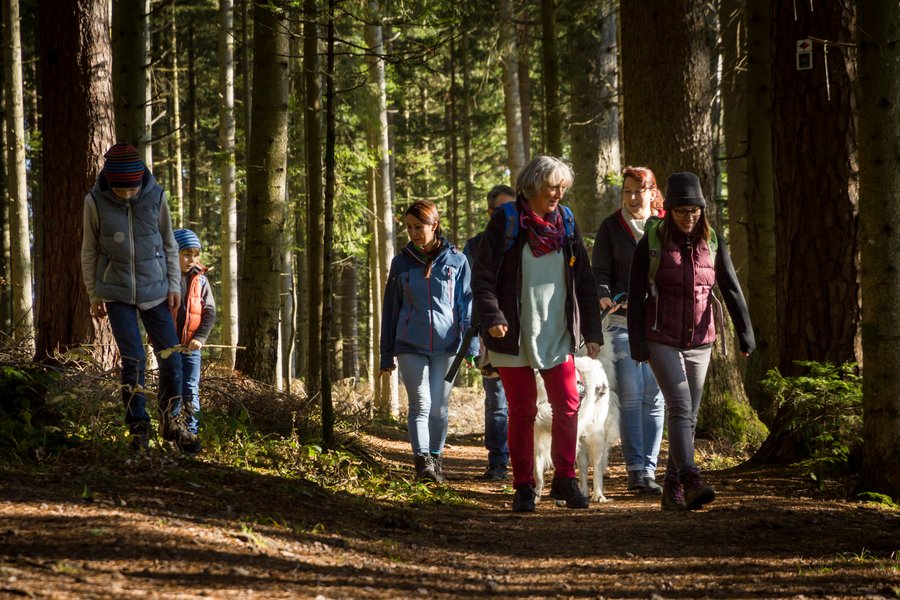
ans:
(131, 243)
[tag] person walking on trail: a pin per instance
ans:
(672, 323)
(642, 408)
(129, 260)
(496, 413)
(194, 320)
(427, 310)
(531, 275)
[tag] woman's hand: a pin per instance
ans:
(388, 370)
(605, 303)
(98, 310)
(593, 349)
(498, 331)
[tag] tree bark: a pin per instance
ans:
(349, 319)
(817, 276)
(177, 187)
(760, 207)
(878, 29)
(328, 440)
(193, 147)
(550, 60)
(228, 232)
(75, 62)
(17, 184)
(667, 46)
(259, 297)
(387, 401)
(591, 68)
(131, 74)
(315, 224)
(509, 60)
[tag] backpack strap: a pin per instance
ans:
(511, 219)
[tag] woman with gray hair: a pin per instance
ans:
(530, 277)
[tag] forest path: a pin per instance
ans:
(194, 529)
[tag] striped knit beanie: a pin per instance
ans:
(124, 167)
(186, 239)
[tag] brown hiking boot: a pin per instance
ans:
(672, 494)
(696, 493)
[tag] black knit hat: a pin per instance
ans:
(683, 189)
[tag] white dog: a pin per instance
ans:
(598, 423)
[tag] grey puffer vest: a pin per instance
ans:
(131, 264)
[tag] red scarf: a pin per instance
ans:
(544, 234)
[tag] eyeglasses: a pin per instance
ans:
(681, 213)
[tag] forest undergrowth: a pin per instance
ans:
(266, 510)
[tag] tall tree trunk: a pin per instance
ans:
(350, 319)
(733, 91)
(259, 297)
(287, 331)
(550, 60)
(193, 147)
(453, 146)
(591, 67)
(467, 131)
(5, 291)
(509, 59)
(228, 234)
(328, 240)
(75, 62)
(878, 30)
(817, 275)
(667, 46)
(315, 224)
(760, 207)
(177, 185)
(817, 291)
(17, 184)
(131, 74)
(247, 80)
(524, 86)
(387, 400)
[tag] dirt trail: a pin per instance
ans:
(200, 530)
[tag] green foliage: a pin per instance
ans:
(824, 410)
(28, 416)
(877, 498)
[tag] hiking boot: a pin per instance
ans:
(672, 494)
(140, 436)
(635, 481)
(438, 462)
(425, 468)
(175, 430)
(566, 488)
(650, 486)
(696, 493)
(496, 472)
(523, 500)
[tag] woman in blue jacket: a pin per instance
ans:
(427, 309)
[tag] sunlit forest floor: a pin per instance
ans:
(271, 516)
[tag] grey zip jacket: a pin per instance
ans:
(128, 252)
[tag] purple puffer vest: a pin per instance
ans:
(682, 314)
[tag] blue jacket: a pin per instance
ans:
(426, 316)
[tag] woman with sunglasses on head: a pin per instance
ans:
(671, 323)
(642, 409)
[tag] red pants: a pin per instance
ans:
(521, 396)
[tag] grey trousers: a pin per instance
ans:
(680, 375)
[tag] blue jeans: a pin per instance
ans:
(496, 420)
(429, 399)
(160, 328)
(190, 389)
(642, 408)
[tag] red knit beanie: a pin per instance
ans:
(124, 167)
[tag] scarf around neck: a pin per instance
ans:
(544, 234)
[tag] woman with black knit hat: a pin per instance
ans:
(672, 323)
